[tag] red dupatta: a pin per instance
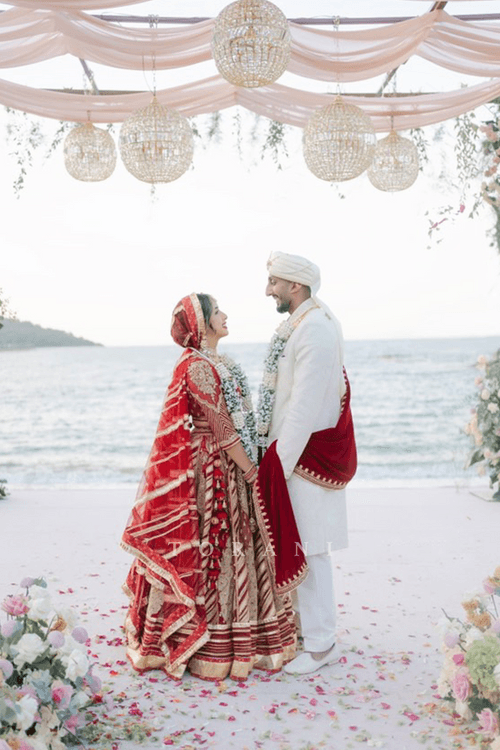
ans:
(163, 528)
(329, 459)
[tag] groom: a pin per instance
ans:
(308, 414)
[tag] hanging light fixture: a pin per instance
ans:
(156, 144)
(251, 43)
(395, 163)
(339, 141)
(89, 153)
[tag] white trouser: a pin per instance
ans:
(316, 600)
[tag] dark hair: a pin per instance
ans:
(206, 307)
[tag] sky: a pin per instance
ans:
(108, 262)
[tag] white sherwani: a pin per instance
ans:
(309, 387)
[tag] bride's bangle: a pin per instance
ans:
(251, 474)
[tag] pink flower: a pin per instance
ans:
(27, 582)
(94, 682)
(80, 635)
(6, 667)
(61, 694)
(461, 686)
(56, 639)
(458, 659)
(451, 639)
(496, 626)
(72, 723)
(8, 628)
(488, 723)
(488, 586)
(15, 605)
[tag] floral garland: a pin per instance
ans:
(470, 677)
(267, 389)
(238, 399)
(484, 426)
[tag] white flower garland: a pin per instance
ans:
(238, 399)
(267, 389)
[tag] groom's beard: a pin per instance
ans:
(283, 307)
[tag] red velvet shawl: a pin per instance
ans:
(329, 459)
(163, 528)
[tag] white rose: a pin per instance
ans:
(40, 609)
(474, 634)
(444, 687)
(26, 709)
(28, 648)
(493, 408)
(80, 699)
(485, 394)
(463, 710)
(39, 603)
(77, 665)
(71, 645)
(67, 614)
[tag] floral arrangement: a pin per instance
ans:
(484, 426)
(471, 669)
(490, 188)
(45, 676)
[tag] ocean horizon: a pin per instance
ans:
(85, 416)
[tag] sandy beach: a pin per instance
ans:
(413, 552)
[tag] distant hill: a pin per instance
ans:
(19, 334)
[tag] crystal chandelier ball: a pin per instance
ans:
(156, 144)
(89, 153)
(339, 141)
(251, 43)
(395, 163)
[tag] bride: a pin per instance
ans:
(201, 590)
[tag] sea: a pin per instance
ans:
(85, 417)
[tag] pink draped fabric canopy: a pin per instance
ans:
(59, 27)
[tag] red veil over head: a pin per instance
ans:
(188, 324)
(166, 620)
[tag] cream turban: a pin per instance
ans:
(299, 269)
(294, 268)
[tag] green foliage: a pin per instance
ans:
(3, 489)
(5, 311)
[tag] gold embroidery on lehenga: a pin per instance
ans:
(202, 375)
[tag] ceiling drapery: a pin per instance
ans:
(59, 27)
(277, 102)
(30, 36)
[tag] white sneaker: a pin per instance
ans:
(306, 664)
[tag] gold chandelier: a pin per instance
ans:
(251, 43)
(89, 153)
(156, 144)
(338, 141)
(395, 163)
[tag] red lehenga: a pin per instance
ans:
(201, 590)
